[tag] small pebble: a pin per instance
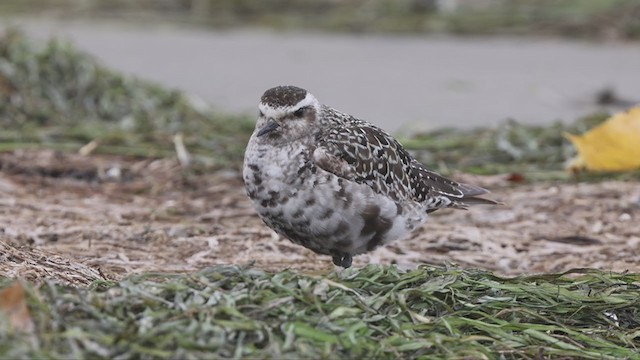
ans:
(597, 227)
(114, 173)
(625, 217)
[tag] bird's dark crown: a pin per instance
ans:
(283, 96)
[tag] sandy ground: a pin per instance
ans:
(79, 219)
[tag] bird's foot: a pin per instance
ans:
(343, 260)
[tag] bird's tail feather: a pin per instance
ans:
(469, 197)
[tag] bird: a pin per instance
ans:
(336, 184)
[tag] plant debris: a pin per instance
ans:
(13, 307)
(57, 97)
(110, 216)
(508, 147)
(372, 312)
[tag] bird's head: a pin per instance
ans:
(286, 113)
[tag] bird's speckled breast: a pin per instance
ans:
(318, 209)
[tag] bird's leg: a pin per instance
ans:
(342, 259)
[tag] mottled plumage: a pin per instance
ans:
(335, 184)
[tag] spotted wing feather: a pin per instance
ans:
(430, 184)
(367, 155)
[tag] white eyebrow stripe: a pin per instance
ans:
(308, 100)
(269, 111)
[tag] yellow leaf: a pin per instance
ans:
(611, 146)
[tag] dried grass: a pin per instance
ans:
(157, 217)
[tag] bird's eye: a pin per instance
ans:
(299, 112)
(260, 113)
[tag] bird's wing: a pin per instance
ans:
(431, 185)
(367, 155)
